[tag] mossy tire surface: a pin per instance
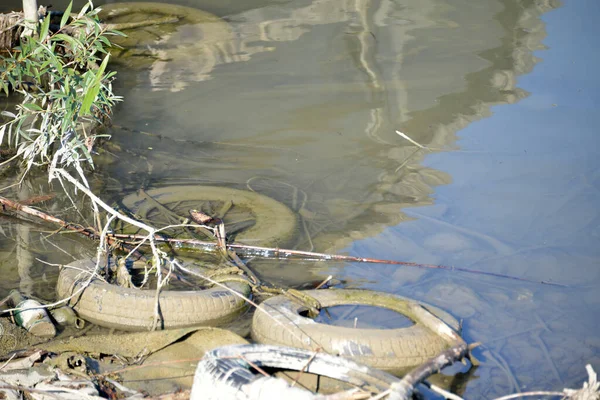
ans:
(393, 350)
(275, 224)
(128, 309)
(214, 29)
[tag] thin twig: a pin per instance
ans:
(528, 394)
(381, 395)
(254, 250)
(320, 285)
(4, 300)
(46, 217)
(304, 367)
(286, 253)
(158, 255)
(84, 285)
(152, 236)
(405, 136)
(98, 201)
(253, 365)
(7, 362)
(448, 395)
(259, 308)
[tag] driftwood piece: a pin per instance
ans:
(403, 390)
(13, 25)
(10, 29)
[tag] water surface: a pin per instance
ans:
(301, 100)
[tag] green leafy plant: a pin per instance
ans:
(66, 91)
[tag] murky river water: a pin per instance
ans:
(301, 100)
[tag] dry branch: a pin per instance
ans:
(270, 252)
(275, 252)
(10, 30)
(46, 217)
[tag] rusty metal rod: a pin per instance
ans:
(284, 253)
(256, 250)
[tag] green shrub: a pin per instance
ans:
(65, 88)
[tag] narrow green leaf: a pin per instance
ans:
(32, 107)
(66, 15)
(44, 29)
(93, 13)
(84, 10)
(89, 97)
(104, 40)
(61, 37)
(116, 33)
(92, 92)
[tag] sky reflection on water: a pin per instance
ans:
(524, 200)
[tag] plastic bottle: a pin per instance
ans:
(31, 316)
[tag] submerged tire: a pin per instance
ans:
(212, 28)
(394, 350)
(185, 47)
(225, 373)
(127, 309)
(275, 224)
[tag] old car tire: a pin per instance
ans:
(225, 373)
(275, 224)
(128, 309)
(279, 322)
